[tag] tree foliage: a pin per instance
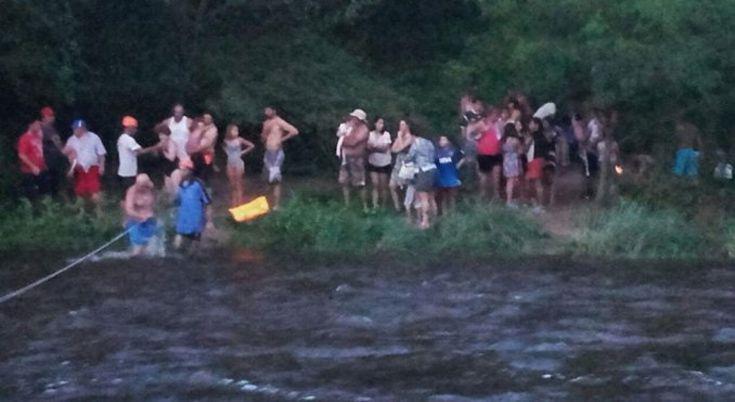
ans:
(653, 60)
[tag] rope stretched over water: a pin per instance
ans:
(24, 289)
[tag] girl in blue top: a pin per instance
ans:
(448, 162)
(192, 199)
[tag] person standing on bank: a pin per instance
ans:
(379, 162)
(32, 163)
(275, 132)
(354, 148)
(52, 151)
(87, 155)
(128, 151)
(180, 127)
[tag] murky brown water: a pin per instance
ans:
(240, 328)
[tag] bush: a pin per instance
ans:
(325, 228)
(631, 230)
(53, 227)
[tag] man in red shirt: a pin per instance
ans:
(32, 163)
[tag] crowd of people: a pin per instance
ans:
(512, 151)
(186, 149)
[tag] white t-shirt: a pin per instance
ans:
(126, 147)
(88, 148)
(376, 139)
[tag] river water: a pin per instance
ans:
(236, 327)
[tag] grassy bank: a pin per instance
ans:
(52, 227)
(324, 228)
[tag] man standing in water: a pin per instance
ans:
(200, 147)
(354, 149)
(275, 132)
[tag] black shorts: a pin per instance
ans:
(125, 183)
(191, 236)
(202, 170)
(380, 169)
(486, 163)
(424, 181)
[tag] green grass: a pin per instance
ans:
(54, 227)
(631, 230)
(315, 226)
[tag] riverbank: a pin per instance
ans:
(680, 224)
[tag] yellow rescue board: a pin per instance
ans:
(251, 210)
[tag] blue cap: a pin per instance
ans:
(78, 123)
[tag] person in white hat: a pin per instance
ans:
(354, 149)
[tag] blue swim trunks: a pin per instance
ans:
(141, 232)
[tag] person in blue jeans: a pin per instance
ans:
(192, 200)
(447, 183)
(687, 156)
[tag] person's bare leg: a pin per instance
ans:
(496, 182)
(178, 240)
(97, 203)
(539, 185)
(396, 198)
(364, 198)
(346, 195)
(375, 190)
(425, 209)
(509, 191)
(434, 208)
(383, 188)
(277, 196)
(451, 200)
(483, 184)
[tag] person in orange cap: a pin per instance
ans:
(128, 150)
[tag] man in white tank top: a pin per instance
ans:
(180, 127)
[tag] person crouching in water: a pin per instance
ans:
(192, 199)
(139, 207)
(448, 162)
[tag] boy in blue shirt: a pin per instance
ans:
(448, 162)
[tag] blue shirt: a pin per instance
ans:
(446, 161)
(192, 200)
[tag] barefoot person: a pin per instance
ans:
(400, 147)
(200, 146)
(128, 150)
(193, 201)
(489, 154)
(87, 156)
(140, 201)
(379, 162)
(423, 156)
(32, 163)
(275, 132)
(235, 147)
(354, 149)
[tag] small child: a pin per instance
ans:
(448, 162)
(192, 200)
(342, 131)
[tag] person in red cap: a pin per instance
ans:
(128, 150)
(32, 163)
(52, 151)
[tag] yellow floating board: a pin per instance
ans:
(251, 210)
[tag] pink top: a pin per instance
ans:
(489, 143)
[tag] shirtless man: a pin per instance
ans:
(139, 204)
(200, 146)
(275, 132)
(689, 148)
(354, 149)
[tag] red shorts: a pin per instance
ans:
(87, 184)
(535, 169)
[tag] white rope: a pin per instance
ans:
(22, 290)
